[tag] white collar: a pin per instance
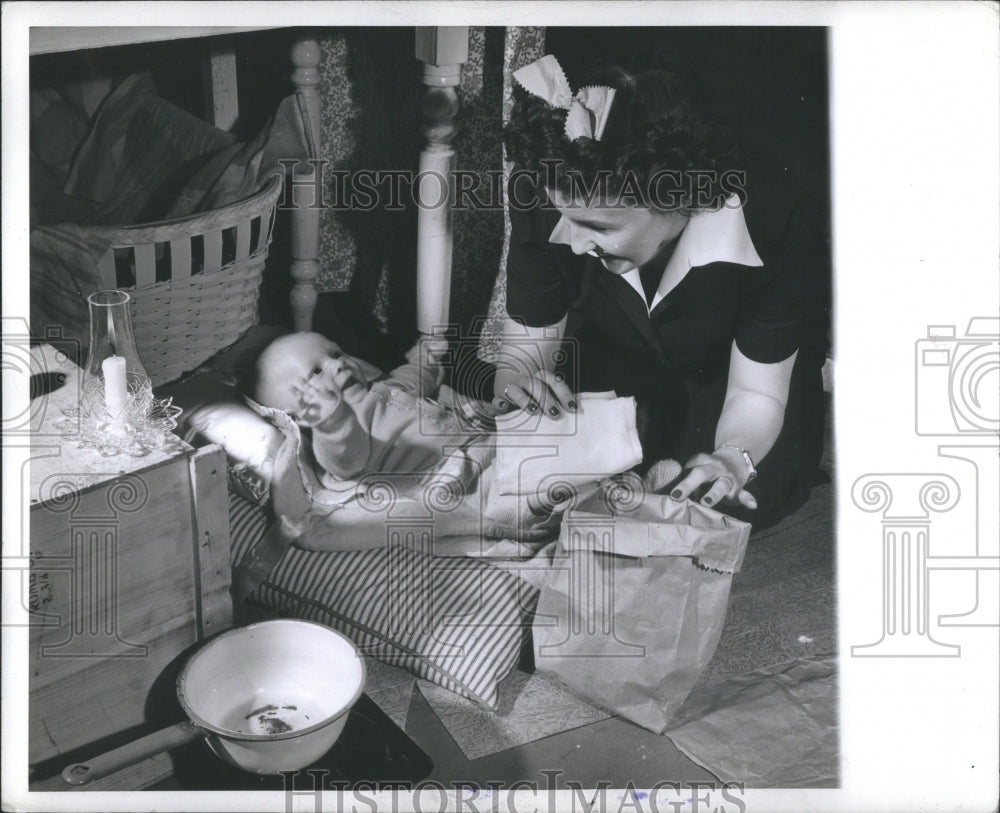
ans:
(709, 237)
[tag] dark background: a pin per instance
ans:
(769, 83)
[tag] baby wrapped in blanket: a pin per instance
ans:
(402, 447)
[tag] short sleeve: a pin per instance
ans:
(769, 321)
(536, 290)
(784, 305)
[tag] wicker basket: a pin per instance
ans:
(194, 281)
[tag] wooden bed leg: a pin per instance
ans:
(442, 50)
(220, 84)
(305, 218)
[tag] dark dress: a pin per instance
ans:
(675, 360)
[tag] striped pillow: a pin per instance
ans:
(456, 622)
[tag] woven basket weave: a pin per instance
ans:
(194, 281)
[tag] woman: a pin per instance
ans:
(680, 272)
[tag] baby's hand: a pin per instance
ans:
(316, 402)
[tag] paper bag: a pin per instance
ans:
(632, 606)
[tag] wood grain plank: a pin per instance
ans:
(135, 777)
(211, 539)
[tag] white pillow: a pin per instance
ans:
(215, 412)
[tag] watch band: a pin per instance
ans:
(751, 468)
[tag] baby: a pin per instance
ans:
(361, 421)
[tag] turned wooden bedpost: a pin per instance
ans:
(442, 50)
(219, 81)
(305, 217)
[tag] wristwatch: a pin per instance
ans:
(751, 468)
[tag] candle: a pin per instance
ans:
(115, 388)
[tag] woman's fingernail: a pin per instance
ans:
(571, 404)
(676, 493)
(707, 501)
(554, 412)
(532, 408)
(752, 503)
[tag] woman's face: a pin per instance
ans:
(622, 237)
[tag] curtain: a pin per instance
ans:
(371, 119)
(522, 45)
(371, 95)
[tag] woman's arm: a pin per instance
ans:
(754, 409)
(751, 419)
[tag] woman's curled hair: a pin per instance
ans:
(657, 146)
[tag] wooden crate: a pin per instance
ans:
(129, 571)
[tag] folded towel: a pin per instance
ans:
(541, 455)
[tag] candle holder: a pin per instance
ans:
(118, 413)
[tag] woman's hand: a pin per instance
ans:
(544, 390)
(725, 470)
(752, 415)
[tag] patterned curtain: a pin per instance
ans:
(478, 232)
(521, 46)
(371, 120)
(371, 96)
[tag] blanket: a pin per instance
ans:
(457, 498)
(143, 159)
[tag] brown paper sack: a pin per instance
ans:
(633, 605)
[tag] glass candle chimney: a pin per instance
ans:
(116, 387)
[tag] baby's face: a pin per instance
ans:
(298, 370)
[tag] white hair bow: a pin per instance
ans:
(588, 109)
